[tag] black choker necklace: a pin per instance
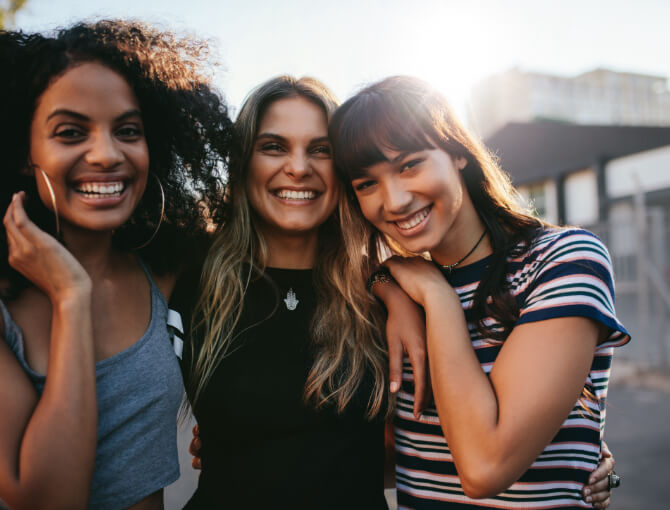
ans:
(449, 267)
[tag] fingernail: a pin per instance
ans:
(394, 386)
(587, 491)
(592, 480)
(588, 499)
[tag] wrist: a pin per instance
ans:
(66, 299)
(380, 277)
(440, 295)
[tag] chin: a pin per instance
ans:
(99, 225)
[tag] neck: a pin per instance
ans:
(291, 252)
(93, 250)
(461, 238)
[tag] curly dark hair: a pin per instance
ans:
(189, 133)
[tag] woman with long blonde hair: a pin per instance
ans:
(288, 377)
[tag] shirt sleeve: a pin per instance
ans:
(572, 276)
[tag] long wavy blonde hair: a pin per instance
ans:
(346, 327)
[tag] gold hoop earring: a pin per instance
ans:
(160, 220)
(52, 195)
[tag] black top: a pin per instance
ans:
(262, 445)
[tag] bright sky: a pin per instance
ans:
(348, 43)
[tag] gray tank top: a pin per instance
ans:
(139, 392)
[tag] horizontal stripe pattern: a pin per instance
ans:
(564, 273)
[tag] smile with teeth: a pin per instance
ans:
(100, 189)
(413, 220)
(290, 194)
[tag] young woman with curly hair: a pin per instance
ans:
(112, 144)
(520, 319)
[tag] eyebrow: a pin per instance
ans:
(365, 171)
(271, 136)
(274, 136)
(82, 117)
(400, 157)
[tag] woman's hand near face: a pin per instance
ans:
(41, 258)
(67, 408)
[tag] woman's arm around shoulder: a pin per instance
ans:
(405, 333)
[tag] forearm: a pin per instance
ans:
(57, 452)
(498, 425)
(465, 399)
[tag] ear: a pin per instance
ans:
(460, 162)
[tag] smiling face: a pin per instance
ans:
(291, 183)
(87, 136)
(418, 199)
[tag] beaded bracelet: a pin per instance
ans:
(381, 275)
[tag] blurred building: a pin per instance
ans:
(600, 96)
(614, 180)
(581, 174)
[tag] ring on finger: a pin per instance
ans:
(613, 480)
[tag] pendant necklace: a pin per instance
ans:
(449, 267)
(291, 300)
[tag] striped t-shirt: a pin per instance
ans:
(565, 272)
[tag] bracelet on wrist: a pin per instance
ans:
(381, 275)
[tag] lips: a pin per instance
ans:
(100, 189)
(413, 220)
(298, 195)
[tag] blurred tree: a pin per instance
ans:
(8, 9)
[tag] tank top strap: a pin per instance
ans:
(147, 272)
(173, 318)
(6, 318)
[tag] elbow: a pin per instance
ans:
(31, 498)
(32, 503)
(482, 481)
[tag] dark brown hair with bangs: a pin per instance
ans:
(406, 114)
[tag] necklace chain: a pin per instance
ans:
(449, 267)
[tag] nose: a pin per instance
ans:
(397, 198)
(298, 165)
(104, 151)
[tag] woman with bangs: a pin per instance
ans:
(111, 142)
(520, 319)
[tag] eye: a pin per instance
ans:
(360, 185)
(271, 147)
(69, 133)
(408, 165)
(322, 150)
(130, 132)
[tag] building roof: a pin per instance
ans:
(533, 151)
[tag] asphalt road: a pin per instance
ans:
(638, 433)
